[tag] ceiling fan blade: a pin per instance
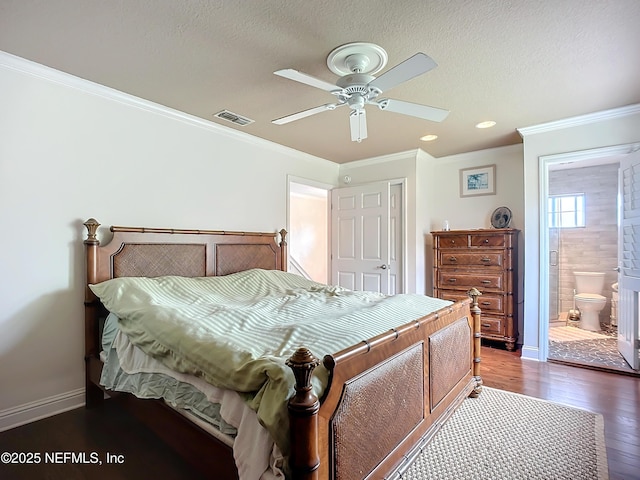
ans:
(305, 113)
(297, 76)
(414, 109)
(358, 124)
(410, 68)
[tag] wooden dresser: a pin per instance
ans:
(485, 259)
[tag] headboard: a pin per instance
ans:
(154, 252)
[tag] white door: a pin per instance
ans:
(629, 258)
(360, 237)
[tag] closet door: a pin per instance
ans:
(360, 237)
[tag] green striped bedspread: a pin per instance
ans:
(237, 331)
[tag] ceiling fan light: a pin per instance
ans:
(486, 124)
(428, 138)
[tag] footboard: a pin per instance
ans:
(387, 396)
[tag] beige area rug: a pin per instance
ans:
(572, 334)
(503, 435)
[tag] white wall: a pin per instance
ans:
(426, 208)
(475, 212)
(70, 150)
(588, 132)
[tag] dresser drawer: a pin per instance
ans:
(454, 241)
(465, 280)
(453, 257)
(491, 303)
(487, 302)
(487, 240)
(492, 326)
(452, 295)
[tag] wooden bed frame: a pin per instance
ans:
(387, 395)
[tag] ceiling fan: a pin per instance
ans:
(356, 63)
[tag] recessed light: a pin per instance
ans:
(487, 124)
(428, 138)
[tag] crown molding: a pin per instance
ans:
(392, 157)
(602, 154)
(28, 67)
(580, 120)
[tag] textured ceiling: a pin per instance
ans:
(520, 63)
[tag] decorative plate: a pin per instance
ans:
(501, 217)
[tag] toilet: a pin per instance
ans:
(589, 299)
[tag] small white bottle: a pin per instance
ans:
(445, 225)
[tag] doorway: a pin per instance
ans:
(310, 226)
(580, 228)
(308, 229)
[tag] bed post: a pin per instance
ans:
(475, 314)
(283, 250)
(303, 418)
(93, 394)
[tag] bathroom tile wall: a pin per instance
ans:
(593, 248)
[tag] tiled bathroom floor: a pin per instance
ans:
(576, 346)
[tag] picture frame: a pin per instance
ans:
(478, 181)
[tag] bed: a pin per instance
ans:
(405, 381)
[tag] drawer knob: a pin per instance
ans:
(453, 259)
(486, 282)
(486, 304)
(485, 259)
(486, 325)
(486, 240)
(452, 280)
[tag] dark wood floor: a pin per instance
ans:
(109, 430)
(106, 430)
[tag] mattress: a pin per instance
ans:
(221, 412)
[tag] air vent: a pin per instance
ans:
(233, 118)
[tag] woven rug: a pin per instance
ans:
(503, 435)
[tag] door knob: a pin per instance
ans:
(383, 266)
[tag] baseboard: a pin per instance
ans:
(530, 353)
(46, 407)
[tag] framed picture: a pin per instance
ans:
(478, 181)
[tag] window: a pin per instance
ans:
(566, 211)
